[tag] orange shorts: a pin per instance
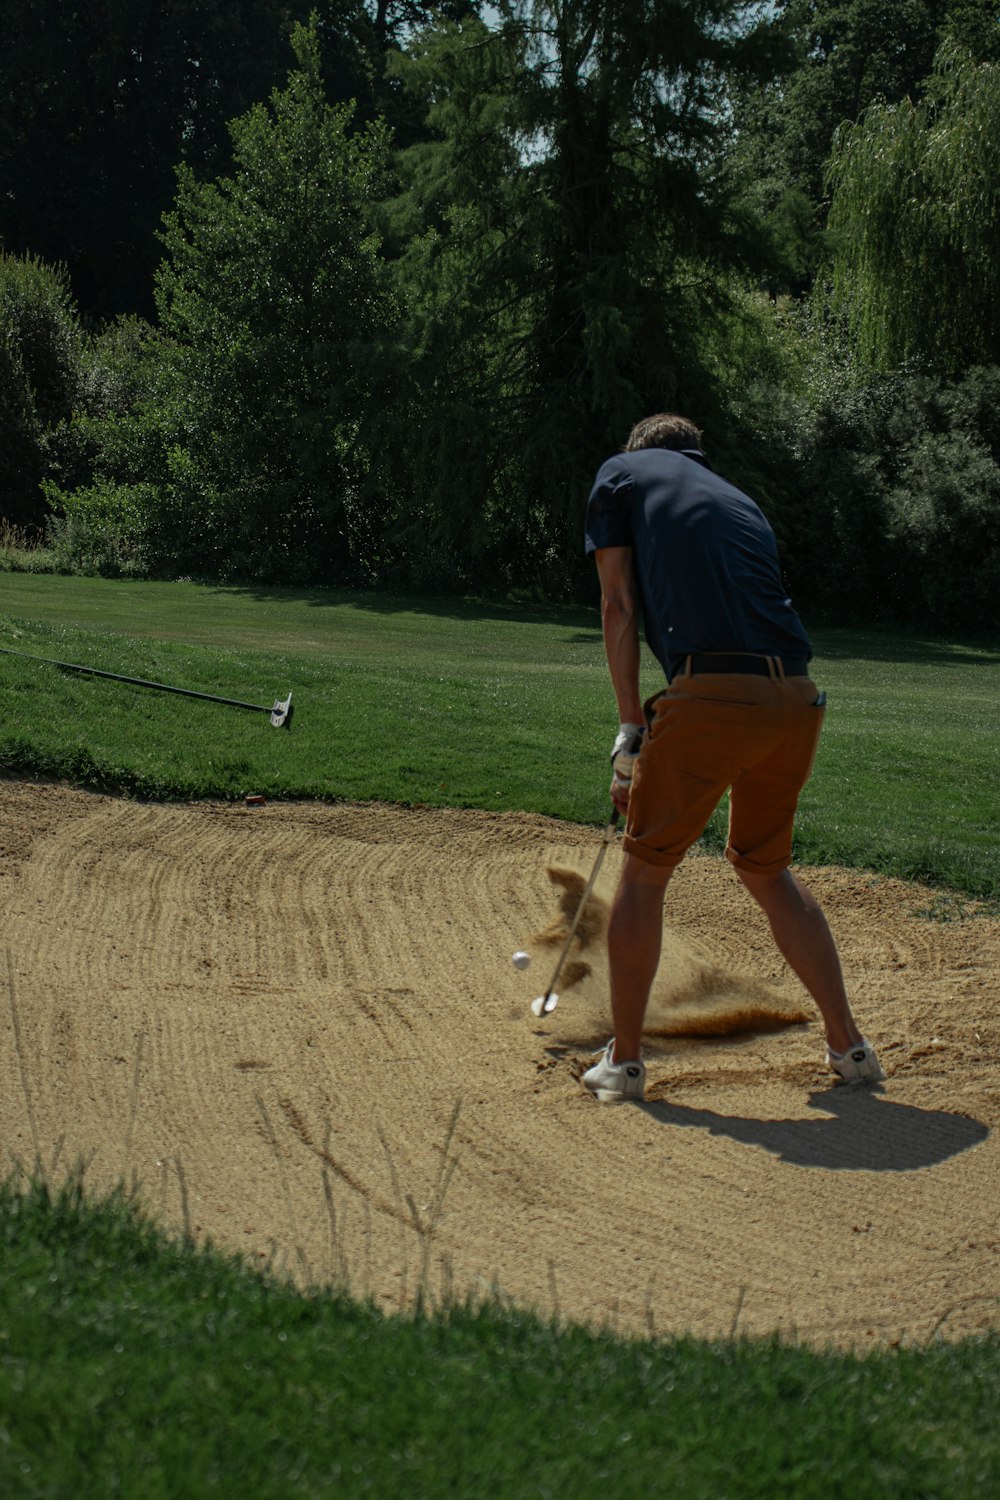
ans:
(755, 736)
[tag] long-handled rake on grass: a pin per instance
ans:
(280, 711)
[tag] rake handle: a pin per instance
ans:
(163, 687)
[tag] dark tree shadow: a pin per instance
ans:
(895, 644)
(901, 646)
(584, 618)
(860, 1130)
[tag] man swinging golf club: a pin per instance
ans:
(740, 712)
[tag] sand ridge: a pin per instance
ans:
(297, 1029)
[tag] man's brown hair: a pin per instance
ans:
(666, 430)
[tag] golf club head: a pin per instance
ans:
(281, 713)
(544, 1005)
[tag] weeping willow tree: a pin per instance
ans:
(915, 222)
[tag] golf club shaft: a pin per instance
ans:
(585, 897)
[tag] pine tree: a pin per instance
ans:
(567, 226)
(281, 359)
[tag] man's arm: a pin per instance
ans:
(620, 622)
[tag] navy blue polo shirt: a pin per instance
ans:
(705, 557)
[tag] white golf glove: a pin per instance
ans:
(625, 752)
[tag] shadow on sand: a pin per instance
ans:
(860, 1130)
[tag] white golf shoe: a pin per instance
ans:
(858, 1064)
(615, 1083)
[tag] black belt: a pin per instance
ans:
(748, 666)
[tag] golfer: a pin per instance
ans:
(698, 559)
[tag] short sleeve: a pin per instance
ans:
(608, 522)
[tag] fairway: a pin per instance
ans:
(298, 1028)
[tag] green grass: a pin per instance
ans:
(136, 1365)
(446, 702)
(132, 1365)
(908, 778)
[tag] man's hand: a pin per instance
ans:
(624, 754)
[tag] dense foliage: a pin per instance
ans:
(281, 324)
(39, 377)
(420, 267)
(99, 103)
(564, 233)
(915, 219)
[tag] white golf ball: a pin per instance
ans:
(520, 960)
(539, 1007)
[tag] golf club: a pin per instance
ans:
(546, 1004)
(280, 711)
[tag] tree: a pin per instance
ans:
(392, 24)
(915, 218)
(277, 363)
(567, 228)
(99, 102)
(845, 56)
(40, 349)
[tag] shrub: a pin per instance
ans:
(40, 344)
(100, 530)
(896, 485)
(943, 512)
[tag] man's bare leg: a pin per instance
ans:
(635, 933)
(804, 938)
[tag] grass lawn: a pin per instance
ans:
(138, 1366)
(134, 1367)
(455, 703)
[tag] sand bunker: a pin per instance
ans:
(297, 1028)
